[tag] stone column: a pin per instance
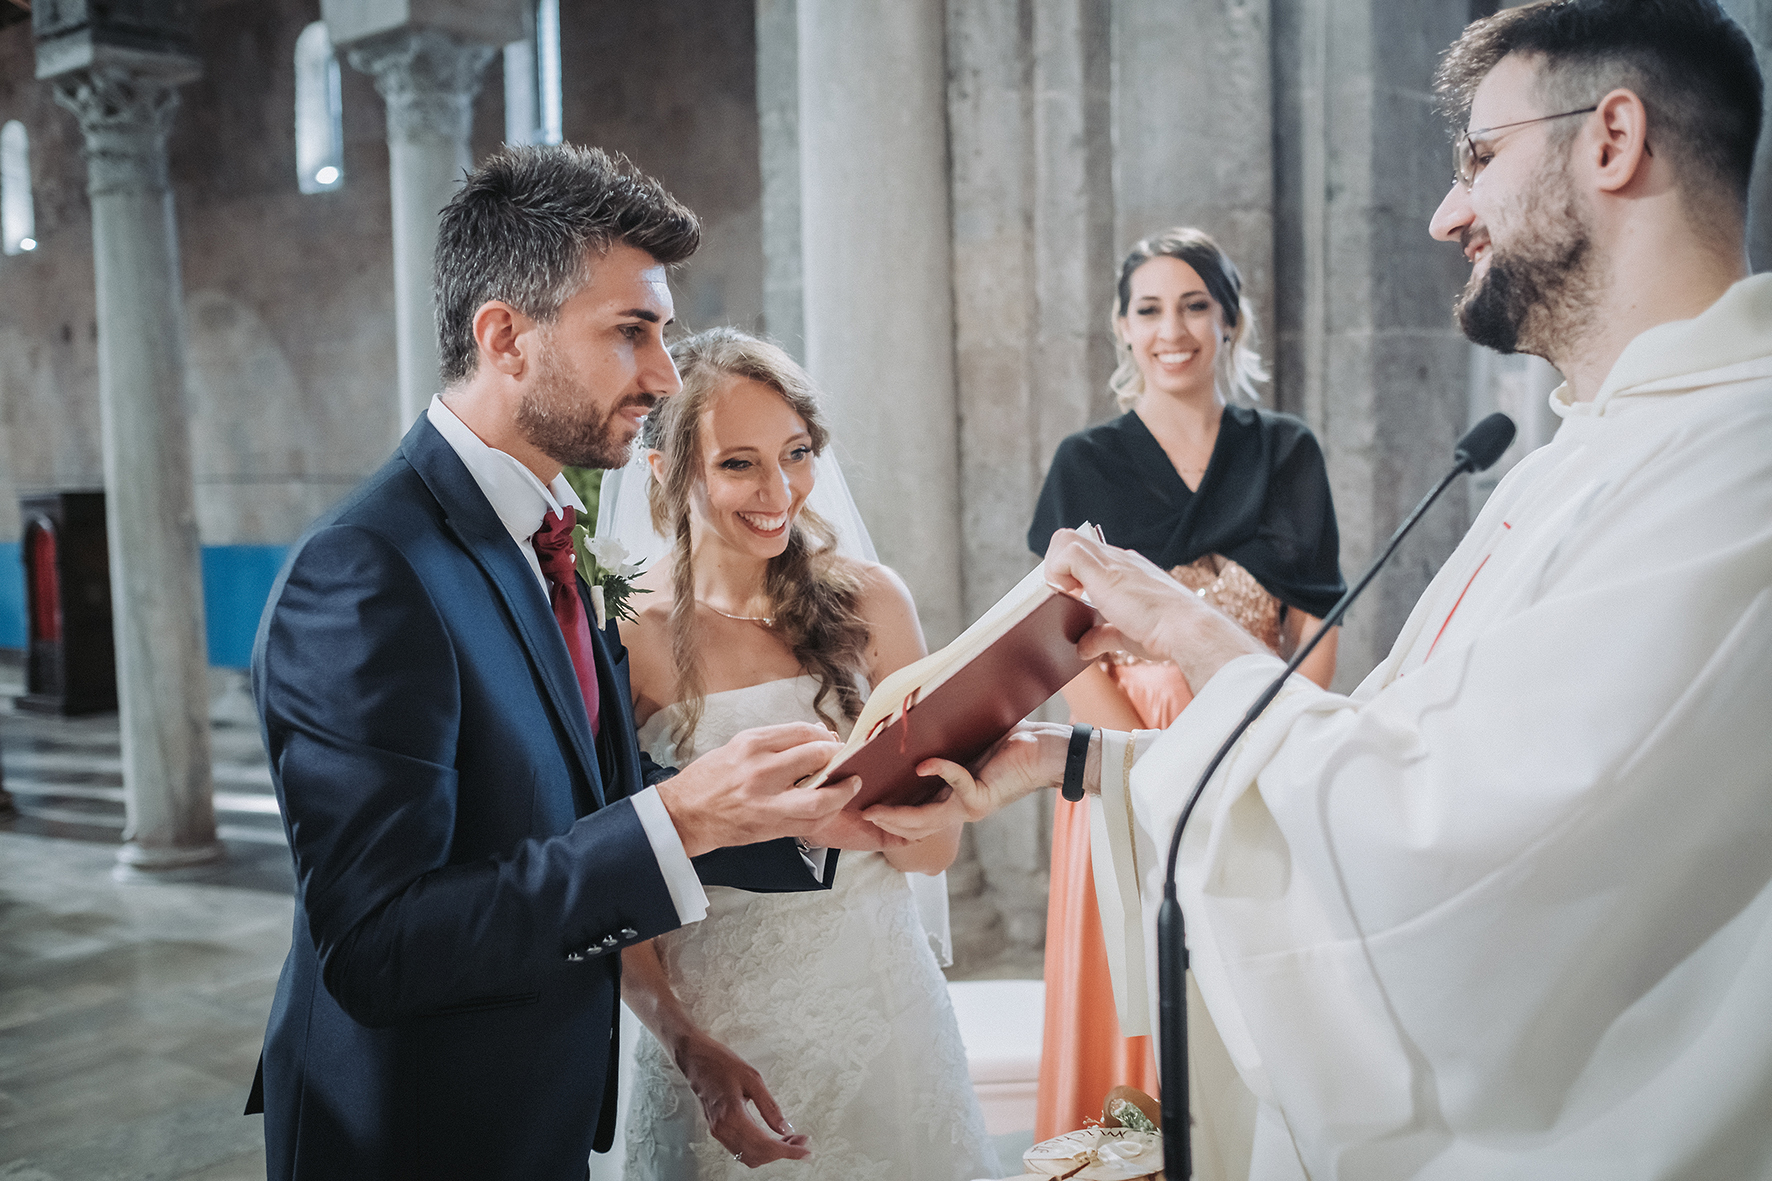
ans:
(1074, 248)
(428, 78)
(1368, 352)
(778, 125)
(878, 292)
(125, 109)
(997, 886)
(1193, 132)
(1031, 159)
(1520, 387)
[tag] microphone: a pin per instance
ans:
(1481, 446)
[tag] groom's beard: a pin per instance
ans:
(560, 418)
(1536, 297)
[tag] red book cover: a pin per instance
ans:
(966, 714)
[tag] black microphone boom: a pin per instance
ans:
(1481, 446)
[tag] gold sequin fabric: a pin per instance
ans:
(1234, 591)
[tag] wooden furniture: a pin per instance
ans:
(70, 662)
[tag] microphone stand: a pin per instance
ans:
(1479, 448)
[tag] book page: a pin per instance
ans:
(903, 689)
(917, 680)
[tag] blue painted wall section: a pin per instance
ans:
(12, 595)
(236, 582)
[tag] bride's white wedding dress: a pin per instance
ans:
(833, 995)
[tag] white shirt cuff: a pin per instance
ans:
(687, 895)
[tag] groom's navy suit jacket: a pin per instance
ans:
(467, 862)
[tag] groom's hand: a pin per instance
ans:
(745, 791)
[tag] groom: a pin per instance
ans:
(476, 834)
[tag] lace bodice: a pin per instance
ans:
(834, 996)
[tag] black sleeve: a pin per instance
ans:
(1298, 525)
(1059, 506)
(770, 867)
(652, 774)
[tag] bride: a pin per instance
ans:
(825, 1008)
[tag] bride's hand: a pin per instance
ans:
(1029, 757)
(725, 1083)
(848, 830)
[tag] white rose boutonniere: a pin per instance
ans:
(604, 563)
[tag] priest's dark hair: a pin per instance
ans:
(813, 591)
(526, 228)
(1237, 369)
(1690, 64)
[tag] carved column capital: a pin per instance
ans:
(428, 80)
(124, 116)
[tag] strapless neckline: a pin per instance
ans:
(727, 711)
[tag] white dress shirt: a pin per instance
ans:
(522, 502)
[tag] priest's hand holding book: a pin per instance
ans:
(1144, 610)
(1139, 609)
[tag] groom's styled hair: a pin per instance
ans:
(524, 229)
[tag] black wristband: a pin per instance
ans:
(1074, 761)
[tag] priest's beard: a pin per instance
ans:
(1537, 295)
(560, 418)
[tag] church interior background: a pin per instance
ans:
(214, 305)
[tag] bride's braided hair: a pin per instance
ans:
(811, 589)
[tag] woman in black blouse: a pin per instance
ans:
(1231, 499)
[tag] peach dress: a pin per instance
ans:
(1084, 1056)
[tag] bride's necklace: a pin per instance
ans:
(765, 620)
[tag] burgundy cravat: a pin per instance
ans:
(553, 547)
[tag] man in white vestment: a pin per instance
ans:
(1505, 911)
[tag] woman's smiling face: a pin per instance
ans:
(1174, 327)
(756, 470)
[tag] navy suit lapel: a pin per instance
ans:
(470, 517)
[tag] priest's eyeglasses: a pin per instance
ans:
(1466, 163)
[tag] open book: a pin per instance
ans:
(956, 703)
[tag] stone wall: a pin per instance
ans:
(288, 301)
(1755, 16)
(1193, 115)
(289, 298)
(674, 87)
(1366, 349)
(1300, 133)
(1029, 107)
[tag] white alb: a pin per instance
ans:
(1506, 910)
